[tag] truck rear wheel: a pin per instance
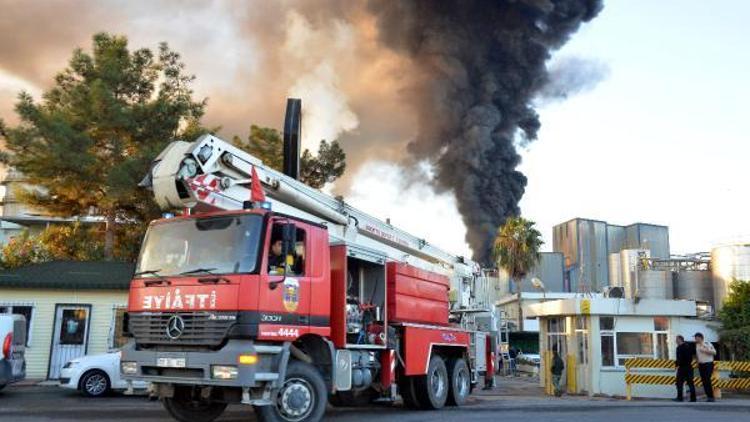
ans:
(460, 382)
(302, 398)
(432, 389)
(183, 407)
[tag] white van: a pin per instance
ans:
(13, 342)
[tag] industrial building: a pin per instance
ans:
(618, 293)
(587, 244)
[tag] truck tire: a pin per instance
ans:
(460, 382)
(302, 398)
(184, 408)
(406, 390)
(94, 383)
(432, 389)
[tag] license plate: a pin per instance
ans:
(170, 362)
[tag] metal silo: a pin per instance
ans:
(629, 266)
(654, 284)
(694, 285)
(615, 270)
(728, 263)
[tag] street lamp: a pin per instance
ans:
(539, 285)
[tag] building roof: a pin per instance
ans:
(611, 306)
(70, 275)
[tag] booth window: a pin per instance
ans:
(661, 328)
(556, 331)
(607, 338)
(634, 345)
(582, 339)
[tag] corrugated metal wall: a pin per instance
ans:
(549, 270)
(586, 245)
(648, 236)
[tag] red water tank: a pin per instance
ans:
(416, 295)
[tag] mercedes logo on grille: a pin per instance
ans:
(175, 327)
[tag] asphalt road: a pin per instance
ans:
(53, 403)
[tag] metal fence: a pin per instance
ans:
(718, 382)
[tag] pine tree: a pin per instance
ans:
(91, 138)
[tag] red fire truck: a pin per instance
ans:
(269, 293)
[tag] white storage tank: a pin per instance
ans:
(653, 284)
(694, 285)
(629, 265)
(729, 262)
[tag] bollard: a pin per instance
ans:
(571, 374)
(547, 356)
(628, 385)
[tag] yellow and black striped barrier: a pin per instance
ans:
(657, 379)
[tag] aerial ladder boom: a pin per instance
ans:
(211, 175)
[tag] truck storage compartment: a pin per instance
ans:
(416, 295)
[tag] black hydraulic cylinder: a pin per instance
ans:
(292, 137)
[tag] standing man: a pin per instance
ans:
(557, 369)
(705, 353)
(684, 368)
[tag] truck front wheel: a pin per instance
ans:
(302, 398)
(183, 407)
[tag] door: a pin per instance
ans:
(70, 336)
(284, 293)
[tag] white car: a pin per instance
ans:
(533, 358)
(95, 375)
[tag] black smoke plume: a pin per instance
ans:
(480, 65)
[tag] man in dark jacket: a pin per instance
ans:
(557, 369)
(684, 368)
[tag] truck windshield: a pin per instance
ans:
(221, 245)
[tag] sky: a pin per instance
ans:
(659, 139)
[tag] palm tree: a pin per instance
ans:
(516, 250)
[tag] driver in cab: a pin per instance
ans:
(276, 259)
(294, 262)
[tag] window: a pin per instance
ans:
(635, 344)
(295, 261)
(73, 327)
(582, 339)
(607, 339)
(556, 335)
(608, 349)
(661, 326)
(222, 244)
(556, 325)
(662, 346)
(25, 310)
(606, 323)
(117, 339)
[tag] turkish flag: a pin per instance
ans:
(257, 194)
